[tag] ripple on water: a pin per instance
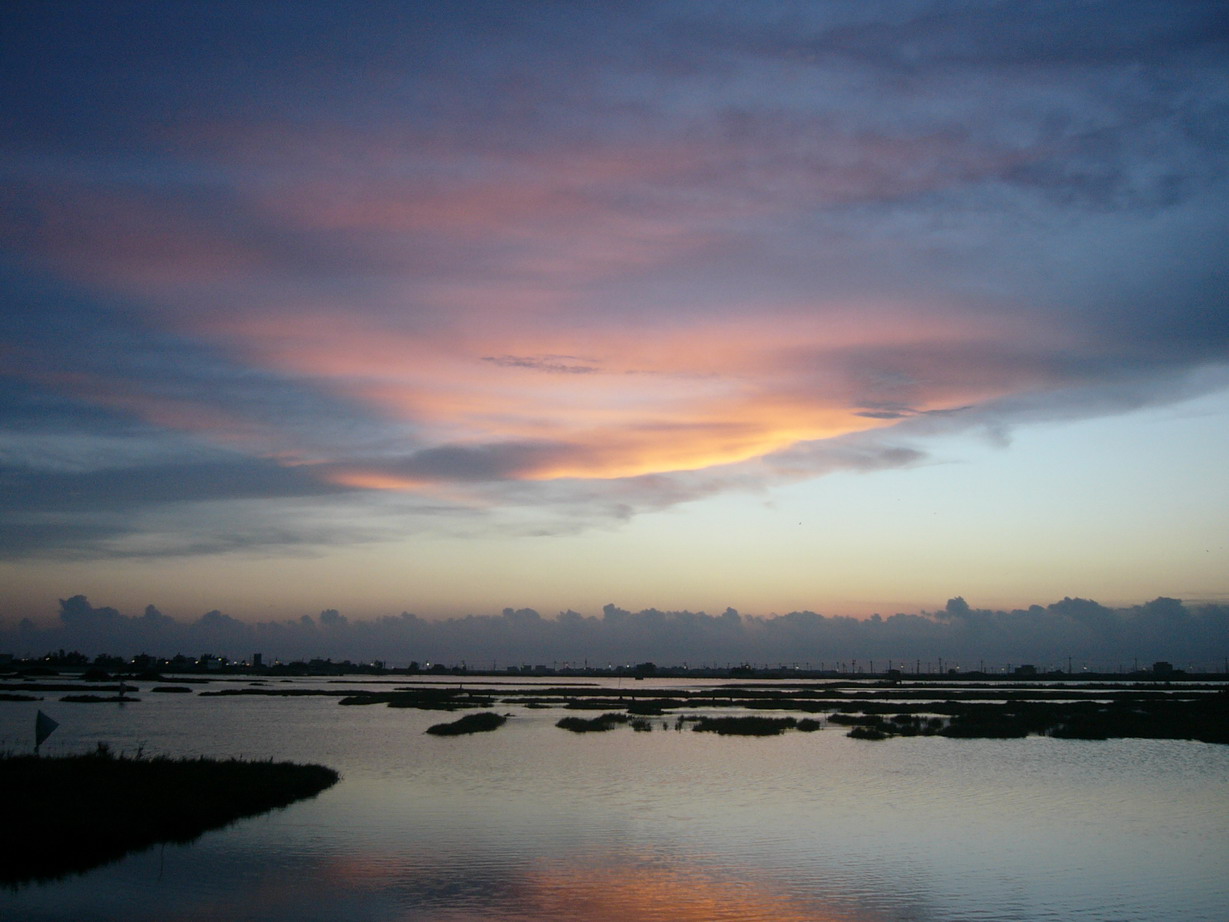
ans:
(533, 822)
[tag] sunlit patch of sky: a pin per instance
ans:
(576, 304)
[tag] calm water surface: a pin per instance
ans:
(534, 823)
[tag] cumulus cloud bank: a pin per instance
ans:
(1091, 635)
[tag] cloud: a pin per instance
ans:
(1091, 634)
(551, 364)
(495, 461)
(584, 264)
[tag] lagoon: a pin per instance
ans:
(531, 822)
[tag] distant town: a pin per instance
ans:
(105, 667)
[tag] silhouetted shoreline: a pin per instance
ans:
(68, 814)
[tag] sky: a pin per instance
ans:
(451, 308)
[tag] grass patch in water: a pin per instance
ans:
(427, 699)
(483, 722)
(592, 725)
(866, 733)
(745, 726)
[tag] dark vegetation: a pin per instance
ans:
(964, 709)
(593, 724)
(60, 687)
(482, 722)
(431, 698)
(71, 813)
(728, 726)
(1205, 718)
(867, 733)
(875, 714)
(274, 692)
(752, 726)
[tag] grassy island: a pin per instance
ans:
(1204, 718)
(68, 814)
(483, 722)
(753, 726)
(593, 724)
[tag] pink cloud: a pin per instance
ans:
(137, 244)
(657, 400)
(526, 255)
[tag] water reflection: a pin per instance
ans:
(601, 888)
(637, 891)
(533, 823)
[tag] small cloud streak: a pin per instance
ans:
(551, 364)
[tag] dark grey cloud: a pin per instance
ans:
(551, 364)
(497, 461)
(1092, 635)
(69, 344)
(183, 481)
(1137, 32)
(863, 452)
(569, 506)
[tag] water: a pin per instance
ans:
(534, 823)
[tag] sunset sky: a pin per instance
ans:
(445, 307)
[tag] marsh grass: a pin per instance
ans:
(484, 722)
(867, 733)
(1205, 718)
(427, 699)
(594, 724)
(67, 814)
(745, 726)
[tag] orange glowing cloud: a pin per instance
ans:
(510, 351)
(608, 403)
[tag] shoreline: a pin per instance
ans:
(78, 812)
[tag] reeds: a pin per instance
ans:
(67, 814)
(483, 722)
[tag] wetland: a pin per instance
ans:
(939, 815)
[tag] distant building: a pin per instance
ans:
(1025, 670)
(1162, 668)
(258, 660)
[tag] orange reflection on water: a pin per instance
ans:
(621, 892)
(604, 890)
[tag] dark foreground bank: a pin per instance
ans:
(71, 813)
